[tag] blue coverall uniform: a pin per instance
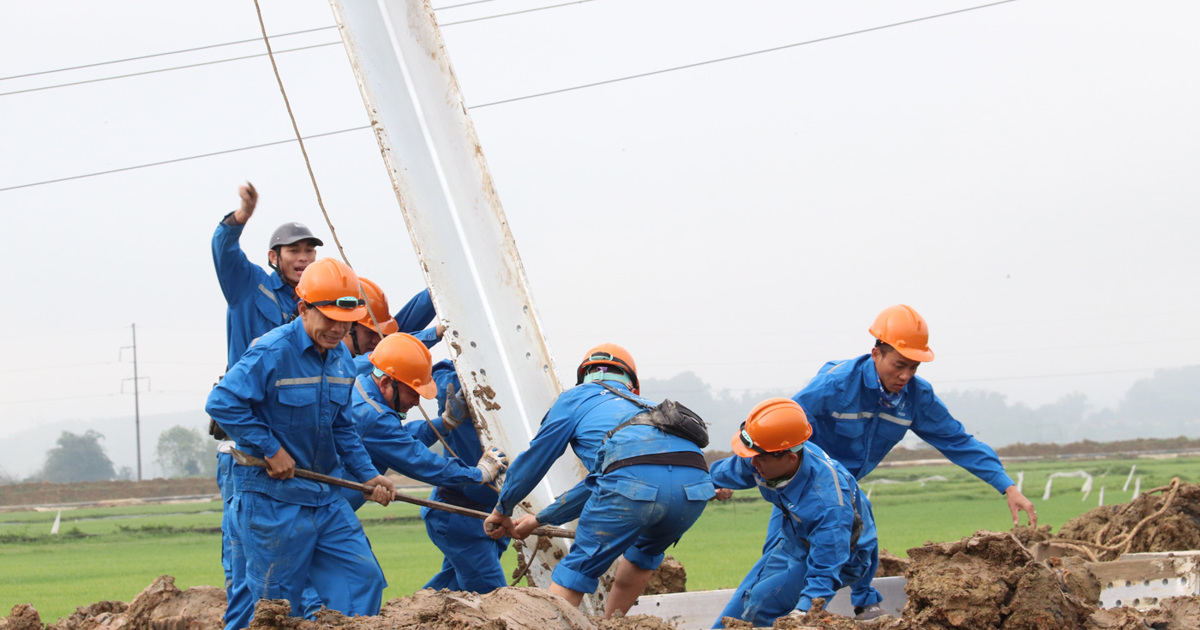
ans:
(391, 445)
(823, 549)
(471, 559)
(285, 393)
(623, 506)
(362, 362)
(257, 303)
(857, 427)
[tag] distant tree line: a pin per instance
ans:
(1083, 447)
(181, 452)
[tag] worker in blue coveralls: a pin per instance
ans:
(861, 408)
(257, 303)
(399, 374)
(828, 526)
(287, 400)
(378, 323)
(471, 558)
(644, 489)
(402, 375)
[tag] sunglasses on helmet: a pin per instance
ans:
(748, 442)
(348, 302)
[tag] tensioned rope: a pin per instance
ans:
(329, 222)
(307, 163)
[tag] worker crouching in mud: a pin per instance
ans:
(828, 527)
(644, 489)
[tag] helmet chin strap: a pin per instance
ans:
(354, 338)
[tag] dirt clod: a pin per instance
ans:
(890, 565)
(669, 577)
(22, 617)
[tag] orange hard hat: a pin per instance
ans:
(332, 287)
(609, 354)
(902, 328)
(775, 424)
(406, 360)
(377, 309)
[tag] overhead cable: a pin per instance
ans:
(739, 56)
(190, 65)
(527, 97)
(462, 4)
(217, 61)
(161, 54)
(182, 159)
(500, 15)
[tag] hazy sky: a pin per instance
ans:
(1024, 174)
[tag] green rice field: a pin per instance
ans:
(113, 553)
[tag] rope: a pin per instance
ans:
(1120, 543)
(446, 444)
(271, 55)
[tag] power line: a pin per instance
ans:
(182, 159)
(739, 56)
(500, 15)
(463, 4)
(500, 102)
(162, 54)
(170, 69)
(233, 43)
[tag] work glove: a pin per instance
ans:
(493, 462)
(455, 412)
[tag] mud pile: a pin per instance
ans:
(987, 581)
(1163, 519)
(890, 565)
(990, 580)
(162, 606)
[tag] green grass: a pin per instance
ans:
(114, 553)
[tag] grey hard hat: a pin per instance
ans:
(291, 233)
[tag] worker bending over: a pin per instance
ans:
(379, 404)
(644, 489)
(861, 408)
(827, 528)
(471, 558)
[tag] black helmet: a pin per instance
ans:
(291, 233)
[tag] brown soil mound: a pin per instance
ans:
(891, 566)
(990, 580)
(1163, 519)
(162, 606)
(669, 577)
(22, 617)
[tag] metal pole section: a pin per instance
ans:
(137, 418)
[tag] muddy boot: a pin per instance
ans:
(864, 613)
